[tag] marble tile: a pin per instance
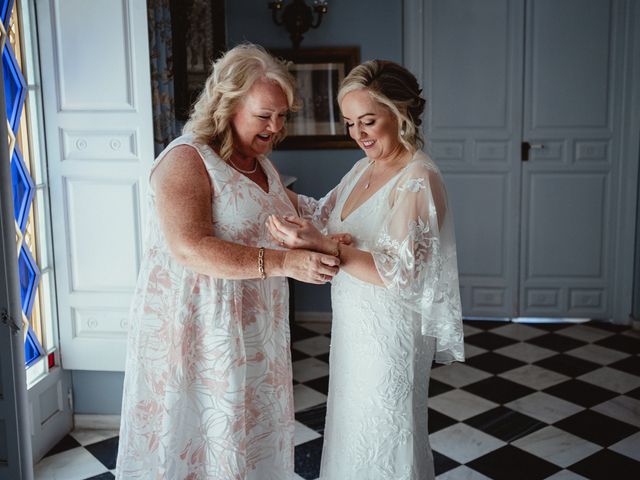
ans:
(612, 379)
(629, 446)
(106, 451)
(319, 327)
(518, 331)
(470, 330)
(597, 354)
(463, 443)
(566, 475)
(557, 446)
(86, 436)
(526, 352)
(585, 333)
(304, 434)
(460, 405)
(472, 351)
(458, 374)
(110, 475)
(534, 376)
(74, 464)
(305, 397)
(313, 346)
(622, 408)
(309, 368)
(462, 473)
(607, 465)
(632, 333)
(544, 407)
(511, 463)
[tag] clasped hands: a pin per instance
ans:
(300, 236)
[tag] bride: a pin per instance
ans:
(396, 300)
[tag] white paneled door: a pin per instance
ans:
(97, 108)
(473, 71)
(572, 117)
(525, 106)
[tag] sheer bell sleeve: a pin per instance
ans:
(317, 211)
(415, 255)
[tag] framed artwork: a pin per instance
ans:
(318, 71)
(198, 38)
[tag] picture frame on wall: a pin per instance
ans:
(319, 72)
(198, 38)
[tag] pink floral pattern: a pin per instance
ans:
(208, 390)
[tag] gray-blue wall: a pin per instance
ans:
(635, 311)
(373, 25)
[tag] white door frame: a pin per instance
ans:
(15, 443)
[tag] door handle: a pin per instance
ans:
(526, 146)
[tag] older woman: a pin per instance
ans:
(396, 301)
(208, 391)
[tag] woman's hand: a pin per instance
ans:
(310, 267)
(297, 233)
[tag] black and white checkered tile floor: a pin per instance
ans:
(533, 401)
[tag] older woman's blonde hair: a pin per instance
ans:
(397, 89)
(232, 77)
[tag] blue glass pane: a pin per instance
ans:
(23, 189)
(5, 12)
(29, 278)
(32, 348)
(15, 87)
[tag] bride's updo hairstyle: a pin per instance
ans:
(232, 77)
(397, 89)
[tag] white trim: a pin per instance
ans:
(313, 317)
(96, 422)
(629, 157)
(413, 37)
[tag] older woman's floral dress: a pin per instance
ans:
(384, 338)
(208, 391)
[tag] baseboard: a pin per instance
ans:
(97, 422)
(313, 317)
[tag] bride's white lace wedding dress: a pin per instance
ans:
(384, 339)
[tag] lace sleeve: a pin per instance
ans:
(415, 256)
(317, 211)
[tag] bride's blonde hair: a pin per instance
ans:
(394, 87)
(231, 78)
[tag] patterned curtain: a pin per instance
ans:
(160, 50)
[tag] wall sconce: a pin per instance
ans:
(297, 17)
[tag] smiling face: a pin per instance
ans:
(258, 118)
(371, 124)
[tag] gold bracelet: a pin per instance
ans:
(261, 271)
(336, 252)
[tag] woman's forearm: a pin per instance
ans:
(221, 259)
(359, 264)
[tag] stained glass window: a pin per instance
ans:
(29, 185)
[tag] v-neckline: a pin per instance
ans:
(344, 219)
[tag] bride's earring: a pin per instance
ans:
(403, 130)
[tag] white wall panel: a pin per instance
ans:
(99, 129)
(99, 145)
(566, 227)
(91, 78)
(104, 234)
(100, 323)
